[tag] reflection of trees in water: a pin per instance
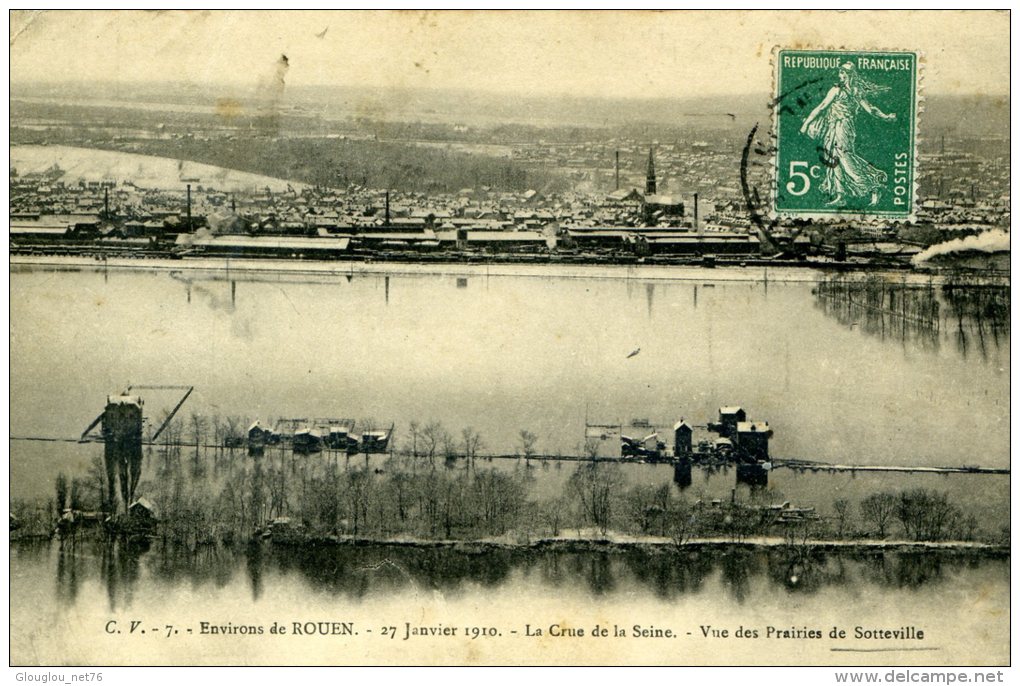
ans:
(888, 310)
(552, 570)
(253, 564)
(803, 569)
(670, 574)
(978, 313)
(907, 570)
(595, 569)
(70, 571)
(357, 572)
(116, 564)
(175, 564)
(738, 567)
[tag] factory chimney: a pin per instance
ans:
(189, 207)
(617, 170)
(650, 180)
(387, 208)
(697, 226)
(233, 204)
(106, 202)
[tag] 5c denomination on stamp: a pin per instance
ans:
(846, 134)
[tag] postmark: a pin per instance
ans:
(845, 129)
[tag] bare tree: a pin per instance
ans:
(359, 487)
(217, 430)
(415, 430)
(841, 507)
(596, 486)
(61, 492)
(553, 511)
(198, 426)
(232, 430)
(683, 524)
(528, 443)
(431, 439)
(926, 515)
(448, 444)
(472, 444)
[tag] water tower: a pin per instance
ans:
(122, 421)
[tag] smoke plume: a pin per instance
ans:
(989, 241)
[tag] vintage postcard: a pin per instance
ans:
(509, 338)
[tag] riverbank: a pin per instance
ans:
(238, 268)
(623, 543)
(614, 542)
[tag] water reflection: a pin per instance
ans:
(968, 312)
(359, 572)
(559, 362)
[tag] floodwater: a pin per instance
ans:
(505, 353)
(502, 354)
(147, 171)
(90, 592)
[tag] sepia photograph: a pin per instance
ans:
(557, 338)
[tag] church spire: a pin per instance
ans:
(650, 181)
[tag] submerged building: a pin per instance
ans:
(122, 435)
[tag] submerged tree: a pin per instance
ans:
(528, 443)
(61, 491)
(472, 444)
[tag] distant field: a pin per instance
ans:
(146, 171)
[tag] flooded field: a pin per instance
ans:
(145, 171)
(506, 353)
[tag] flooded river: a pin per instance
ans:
(504, 353)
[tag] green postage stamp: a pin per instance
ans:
(846, 134)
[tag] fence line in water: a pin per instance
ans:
(776, 464)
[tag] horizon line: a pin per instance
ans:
(459, 89)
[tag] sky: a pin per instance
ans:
(575, 53)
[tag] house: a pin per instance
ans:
(143, 509)
(307, 441)
(682, 433)
(729, 417)
(257, 434)
(375, 441)
(752, 441)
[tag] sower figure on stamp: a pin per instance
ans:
(832, 124)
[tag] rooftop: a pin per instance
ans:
(753, 427)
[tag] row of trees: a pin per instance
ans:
(232, 496)
(413, 497)
(923, 514)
